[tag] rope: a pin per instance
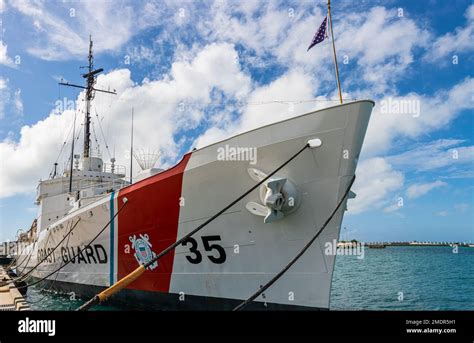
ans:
(17, 257)
(125, 281)
(79, 252)
(29, 257)
(26, 275)
(30, 254)
(18, 253)
(44, 259)
(297, 257)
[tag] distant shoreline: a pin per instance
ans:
(411, 244)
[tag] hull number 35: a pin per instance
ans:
(196, 256)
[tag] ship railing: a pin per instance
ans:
(114, 168)
(98, 187)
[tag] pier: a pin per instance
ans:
(10, 297)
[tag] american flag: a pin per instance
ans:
(320, 35)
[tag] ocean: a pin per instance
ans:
(405, 278)
(394, 278)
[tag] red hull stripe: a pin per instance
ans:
(152, 214)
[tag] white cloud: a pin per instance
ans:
(378, 43)
(4, 58)
(442, 153)
(392, 208)
(457, 42)
(17, 102)
(62, 30)
(4, 96)
(376, 181)
(437, 111)
(420, 189)
(256, 113)
(10, 101)
(157, 115)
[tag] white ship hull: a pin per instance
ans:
(236, 253)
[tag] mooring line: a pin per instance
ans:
(126, 280)
(15, 260)
(79, 251)
(297, 257)
(23, 277)
(29, 256)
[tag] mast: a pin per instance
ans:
(131, 151)
(89, 96)
(334, 52)
(90, 77)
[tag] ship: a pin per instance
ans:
(94, 227)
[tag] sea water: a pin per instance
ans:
(405, 278)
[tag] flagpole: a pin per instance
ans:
(334, 51)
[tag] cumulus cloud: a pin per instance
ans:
(376, 182)
(436, 111)
(4, 96)
(4, 58)
(158, 115)
(375, 42)
(420, 189)
(459, 41)
(257, 112)
(447, 154)
(18, 102)
(10, 101)
(59, 36)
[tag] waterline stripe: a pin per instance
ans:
(112, 240)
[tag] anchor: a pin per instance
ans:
(279, 197)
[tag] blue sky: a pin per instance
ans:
(197, 71)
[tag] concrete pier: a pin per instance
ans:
(10, 297)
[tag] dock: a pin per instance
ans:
(10, 297)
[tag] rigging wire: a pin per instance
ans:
(24, 277)
(78, 109)
(252, 103)
(102, 132)
(77, 139)
(95, 138)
